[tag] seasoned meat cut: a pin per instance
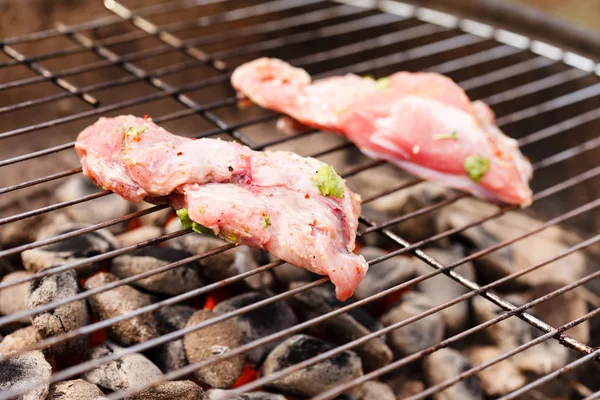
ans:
(422, 122)
(296, 208)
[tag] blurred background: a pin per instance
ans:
(582, 12)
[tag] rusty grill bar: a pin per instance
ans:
(352, 36)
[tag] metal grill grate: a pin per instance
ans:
(179, 70)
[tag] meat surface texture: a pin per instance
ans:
(422, 122)
(296, 208)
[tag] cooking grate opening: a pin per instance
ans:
(520, 282)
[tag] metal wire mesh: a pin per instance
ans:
(327, 38)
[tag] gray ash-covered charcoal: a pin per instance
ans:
(317, 299)
(343, 328)
(22, 231)
(372, 390)
(441, 288)
(19, 340)
(220, 266)
(220, 394)
(406, 201)
(366, 319)
(92, 211)
(386, 274)
(405, 387)
(170, 356)
(419, 334)
(524, 253)
(156, 218)
(561, 310)
(70, 250)
(174, 390)
(12, 299)
(5, 268)
(137, 235)
(128, 371)
(77, 389)
(119, 301)
(513, 332)
(498, 379)
(171, 282)
(26, 370)
(214, 340)
(445, 364)
(65, 318)
(316, 378)
(172, 318)
(287, 273)
(261, 322)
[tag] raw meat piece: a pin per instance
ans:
(422, 122)
(296, 208)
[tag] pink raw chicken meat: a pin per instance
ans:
(422, 122)
(274, 201)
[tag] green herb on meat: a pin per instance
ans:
(265, 222)
(382, 83)
(443, 136)
(133, 130)
(230, 236)
(476, 167)
(329, 182)
(187, 222)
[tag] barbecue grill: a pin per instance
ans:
(172, 60)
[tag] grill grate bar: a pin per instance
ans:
(39, 309)
(420, 211)
(174, 335)
(507, 72)
(39, 211)
(44, 179)
(552, 375)
(131, 102)
(35, 154)
(147, 29)
(239, 14)
(434, 389)
(116, 60)
(472, 60)
(560, 127)
(161, 85)
(568, 153)
(330, 393)
(111, 20)
(59, 82)
(562, 101)
(270, 27)
(169, 337)
(594, 396)
(547, 192)
(364, 23)
(411, 54)
(53, 207)
(78, 232)
(536, 86)
(441, 386)
(403, 56)
(100, 257)
(114, 253)
(518, 312)
(257, 343)
(555, 128)
(153, 30)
